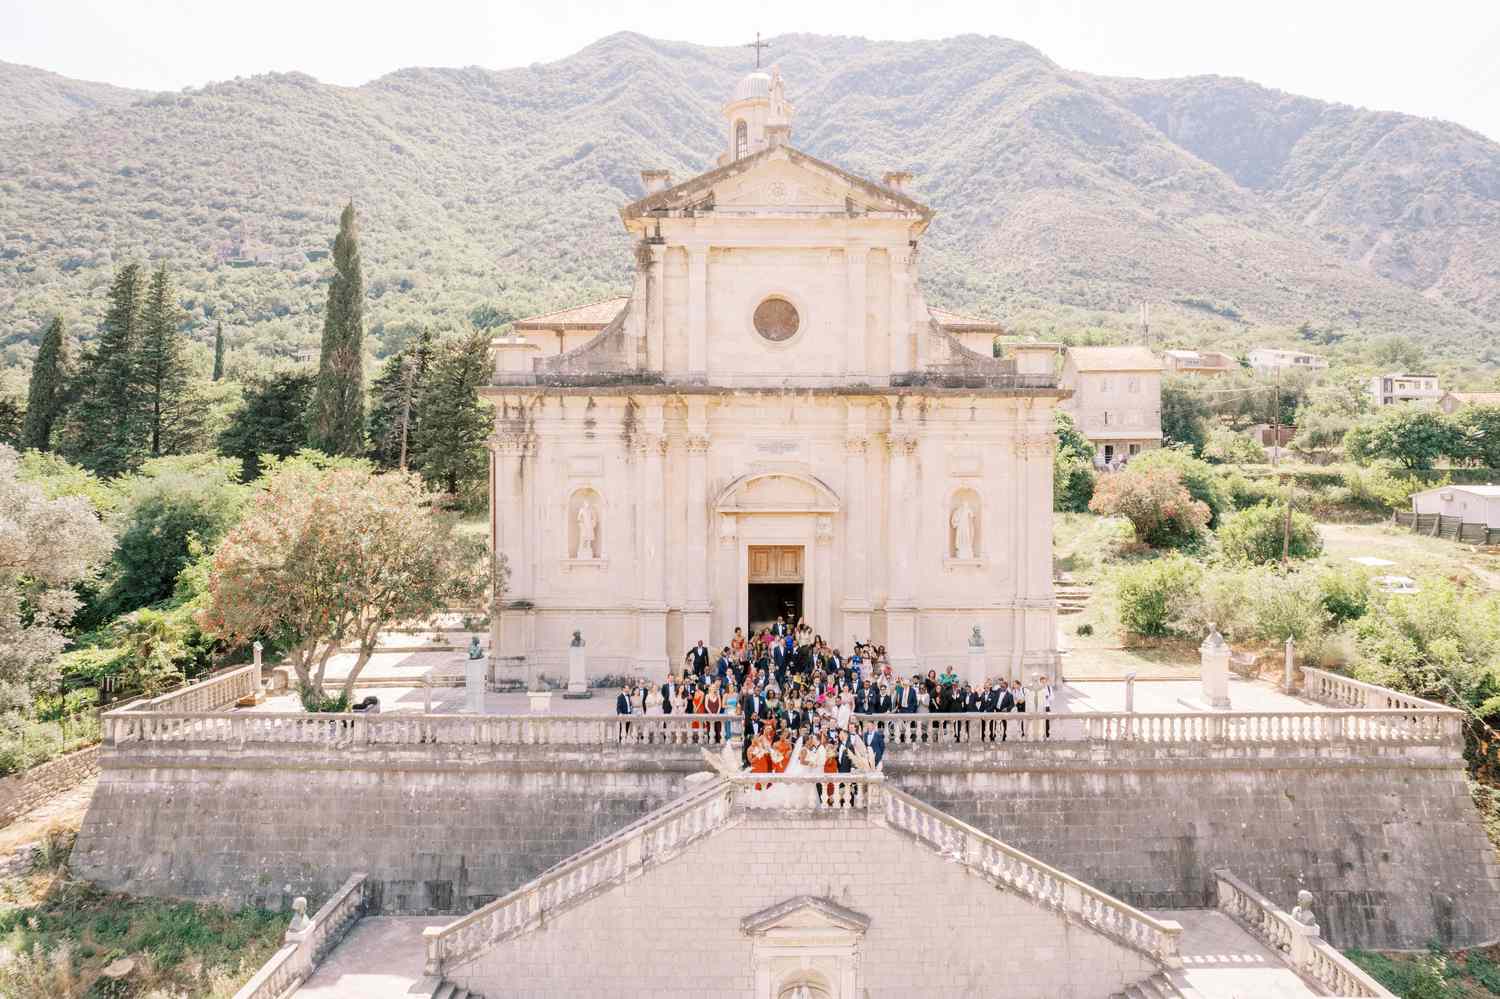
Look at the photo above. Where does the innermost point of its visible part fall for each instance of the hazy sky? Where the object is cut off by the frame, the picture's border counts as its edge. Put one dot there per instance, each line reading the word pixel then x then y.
pixel 1436 57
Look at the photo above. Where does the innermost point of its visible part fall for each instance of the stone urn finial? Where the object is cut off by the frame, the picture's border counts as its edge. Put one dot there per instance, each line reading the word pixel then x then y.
pixel 1214 639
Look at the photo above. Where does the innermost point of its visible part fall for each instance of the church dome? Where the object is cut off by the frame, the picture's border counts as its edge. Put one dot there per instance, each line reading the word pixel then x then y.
pixel 753 85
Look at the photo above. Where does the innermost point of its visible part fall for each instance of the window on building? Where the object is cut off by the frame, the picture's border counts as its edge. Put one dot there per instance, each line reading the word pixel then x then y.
pixel 1104 385
pixel 1133 385
pixel 740 137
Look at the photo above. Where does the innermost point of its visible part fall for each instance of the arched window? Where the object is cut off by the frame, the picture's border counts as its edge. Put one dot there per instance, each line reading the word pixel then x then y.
pixel 740 135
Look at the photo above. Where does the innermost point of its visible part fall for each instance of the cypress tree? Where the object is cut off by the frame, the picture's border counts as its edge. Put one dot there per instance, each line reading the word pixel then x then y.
pixel 337 415
pixel 449 448
pixel 271 420
pixel 12 418
pixel 163 370
pixel 47 393
pixel 218 352
pixel 396 402
pixel 104 427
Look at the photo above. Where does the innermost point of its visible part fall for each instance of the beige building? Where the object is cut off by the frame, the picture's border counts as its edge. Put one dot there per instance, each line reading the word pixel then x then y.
pixel 1397 387
pixel 1116 400
pixel 773 422
pixel 1452 402
pixel 1209 363
pixel 1272 358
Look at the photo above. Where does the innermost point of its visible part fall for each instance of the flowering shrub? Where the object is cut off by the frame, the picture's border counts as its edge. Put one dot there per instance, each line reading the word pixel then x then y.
pixel 1156 503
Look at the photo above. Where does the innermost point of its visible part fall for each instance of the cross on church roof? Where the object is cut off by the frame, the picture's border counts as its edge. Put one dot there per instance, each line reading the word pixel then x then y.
pixel 757 45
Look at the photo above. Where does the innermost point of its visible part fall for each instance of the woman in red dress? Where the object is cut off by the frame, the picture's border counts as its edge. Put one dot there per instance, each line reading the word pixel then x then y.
pixel 760 752
pixel 697 705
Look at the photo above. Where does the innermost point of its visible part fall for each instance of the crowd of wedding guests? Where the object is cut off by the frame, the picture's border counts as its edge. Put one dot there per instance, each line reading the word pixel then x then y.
pixel 786 691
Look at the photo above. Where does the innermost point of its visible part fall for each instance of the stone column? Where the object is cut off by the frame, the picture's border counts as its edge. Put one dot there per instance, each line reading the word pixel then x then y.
pixel 1213 655
pixel 1041 605
pixel 902 353
pixel 696 620
pixel 651 659
pixel 1019 544
pixel 856 602
pixel 856 309
pixel 656 327
pixel 697 311
pixel 901 618
pixel 822 567
pixel 1289 666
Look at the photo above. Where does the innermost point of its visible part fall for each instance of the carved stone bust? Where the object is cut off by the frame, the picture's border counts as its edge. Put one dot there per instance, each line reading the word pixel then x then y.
pixel 1302 912
pixel 577 642
pixel 299 921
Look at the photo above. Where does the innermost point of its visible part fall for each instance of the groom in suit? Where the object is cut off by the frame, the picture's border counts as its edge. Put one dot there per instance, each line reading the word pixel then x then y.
pixel 668 691
pixel 875 743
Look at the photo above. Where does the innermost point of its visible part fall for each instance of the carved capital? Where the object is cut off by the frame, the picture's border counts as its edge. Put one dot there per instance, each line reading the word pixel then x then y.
pixel 856 445
pixel 902 444
pixel 824 529
pixel 728 530
pixel 696 443
pixel 1036 445
pixel 514 442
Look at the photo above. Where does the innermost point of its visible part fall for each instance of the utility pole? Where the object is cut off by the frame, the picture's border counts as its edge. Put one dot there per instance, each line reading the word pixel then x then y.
pixel 1286 530
pixel 1276 427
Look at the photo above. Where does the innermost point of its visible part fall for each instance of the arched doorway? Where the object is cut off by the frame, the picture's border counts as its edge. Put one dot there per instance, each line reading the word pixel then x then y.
pixel 805 985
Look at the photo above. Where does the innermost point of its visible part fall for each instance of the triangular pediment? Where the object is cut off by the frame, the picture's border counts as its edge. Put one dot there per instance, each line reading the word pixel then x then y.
pixel 780 178
pixel 805 912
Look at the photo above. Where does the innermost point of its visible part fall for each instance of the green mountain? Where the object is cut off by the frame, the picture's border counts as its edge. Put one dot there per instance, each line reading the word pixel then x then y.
pixel 1063 198
pixel 33 96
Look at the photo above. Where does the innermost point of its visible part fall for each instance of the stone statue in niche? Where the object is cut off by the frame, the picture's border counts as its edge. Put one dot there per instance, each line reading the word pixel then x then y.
pixel 577 641
pixel 976 638
pixel 588 526
pixel 962 523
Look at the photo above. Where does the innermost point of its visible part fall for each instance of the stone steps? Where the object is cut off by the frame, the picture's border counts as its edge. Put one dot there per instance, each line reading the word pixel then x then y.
pixel 447 990
pixel 1158 986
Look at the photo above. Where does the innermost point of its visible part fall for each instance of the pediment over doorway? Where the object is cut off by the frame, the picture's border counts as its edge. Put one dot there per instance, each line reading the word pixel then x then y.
pixel 777 492
pixel 805 912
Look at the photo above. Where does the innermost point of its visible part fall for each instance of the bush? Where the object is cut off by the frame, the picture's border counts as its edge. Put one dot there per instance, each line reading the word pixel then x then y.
pixel 1072 485
pixel 1155 502
pixel 1199 477
pixel 1225 447
pixel 1344 594
pixel 1381 490
pixel 1439 643
pixel 1152 596
pixel 1257 535
pixel 315 701
pixel 1245 492
pixel 1287 605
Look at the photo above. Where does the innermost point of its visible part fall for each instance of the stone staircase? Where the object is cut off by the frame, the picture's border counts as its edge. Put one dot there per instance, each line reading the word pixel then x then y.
pixel 1158 986
pixel 447 990
pixel 1072 597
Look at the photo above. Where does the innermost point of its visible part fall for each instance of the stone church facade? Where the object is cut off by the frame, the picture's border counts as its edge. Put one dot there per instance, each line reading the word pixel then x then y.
pixel 772 421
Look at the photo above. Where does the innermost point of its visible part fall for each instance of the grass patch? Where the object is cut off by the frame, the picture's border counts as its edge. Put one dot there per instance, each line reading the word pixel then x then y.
pixel 60 936
pixel 1473 974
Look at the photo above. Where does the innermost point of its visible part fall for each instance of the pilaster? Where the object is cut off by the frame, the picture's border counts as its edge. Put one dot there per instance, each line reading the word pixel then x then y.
pixel 697 310
pixel 902 358
pixel 856 260
pixel 651 506
pixel 901 610
pixel 696 608
pixel 856 604
pixel 656 308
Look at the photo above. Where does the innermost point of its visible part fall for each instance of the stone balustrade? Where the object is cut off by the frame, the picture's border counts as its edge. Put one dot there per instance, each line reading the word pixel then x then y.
pixel 626 854
pixel 1030 877
pixel 1346 692
pixel 305 948
pixel 206 695
pixel 905 734
pixel 620 857
pixel 1301 945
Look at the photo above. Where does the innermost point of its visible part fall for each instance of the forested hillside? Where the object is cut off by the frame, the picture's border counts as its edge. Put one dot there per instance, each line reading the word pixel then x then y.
pixel 1063 198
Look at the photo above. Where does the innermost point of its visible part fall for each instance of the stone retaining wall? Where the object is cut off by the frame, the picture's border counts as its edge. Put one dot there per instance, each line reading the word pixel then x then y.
pixel 20 793
pixel 1387 838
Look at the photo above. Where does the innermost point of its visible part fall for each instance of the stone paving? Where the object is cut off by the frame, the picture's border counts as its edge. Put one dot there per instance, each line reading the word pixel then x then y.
pixel 1221 961
pixel 1083 696
pixel 381 957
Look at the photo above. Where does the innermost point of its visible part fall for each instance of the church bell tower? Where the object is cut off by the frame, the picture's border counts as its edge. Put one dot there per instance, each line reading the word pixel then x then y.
pixel 757 116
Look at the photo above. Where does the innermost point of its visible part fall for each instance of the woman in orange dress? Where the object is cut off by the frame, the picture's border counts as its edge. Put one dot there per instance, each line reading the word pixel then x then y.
pixel 697 708
pixel 760 752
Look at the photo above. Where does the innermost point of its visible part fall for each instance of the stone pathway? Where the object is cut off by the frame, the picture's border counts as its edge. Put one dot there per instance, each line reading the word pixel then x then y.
pixel 1222 961
pixel 381 958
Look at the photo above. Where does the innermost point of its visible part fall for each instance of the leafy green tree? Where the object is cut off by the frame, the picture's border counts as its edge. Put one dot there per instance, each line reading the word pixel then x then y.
pixel 1256 535
pixel 48 547
pixel 218 351
pixel 1225 447
pixel 329 557
pixel 1155 501
pixel 337 415
pixel 169 503
pixel 1185 413
pixel 396 402
pixel 171 417
pixel 1199 477
pixel 12 420
pixel 153 646
pixel 1441 643
pixel 455 421
pixel 48 392
pixel 1320 433
pixel 1072 467
pixel 272 420
pixel 1478 433
pixel 104 425
pixel 1411 436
